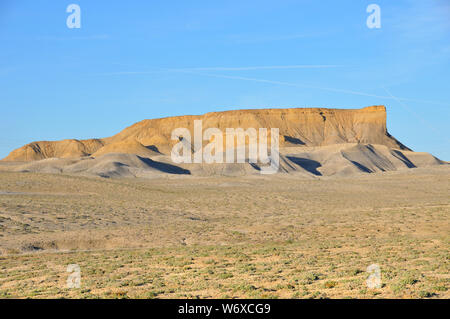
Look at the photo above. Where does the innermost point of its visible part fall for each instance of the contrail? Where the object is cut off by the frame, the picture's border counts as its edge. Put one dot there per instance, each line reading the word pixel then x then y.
pixel 269 67
pixel 192 71
pixel 312 87
pixel 414 113
pixel 243 68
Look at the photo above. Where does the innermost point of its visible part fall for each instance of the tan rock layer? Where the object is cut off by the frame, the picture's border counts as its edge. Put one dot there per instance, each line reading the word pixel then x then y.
pixel 297 127
pixel 62 149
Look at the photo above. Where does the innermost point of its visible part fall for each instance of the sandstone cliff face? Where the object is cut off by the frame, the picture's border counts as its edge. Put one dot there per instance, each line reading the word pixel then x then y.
pixel 297 127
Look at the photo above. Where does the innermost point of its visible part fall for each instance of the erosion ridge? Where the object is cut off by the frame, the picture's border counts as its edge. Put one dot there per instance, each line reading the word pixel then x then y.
pixel 297 127
pixel 314 142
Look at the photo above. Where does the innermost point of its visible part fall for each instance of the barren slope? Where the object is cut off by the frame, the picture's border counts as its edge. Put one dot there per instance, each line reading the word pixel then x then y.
pixel 298 126
pixel 313 143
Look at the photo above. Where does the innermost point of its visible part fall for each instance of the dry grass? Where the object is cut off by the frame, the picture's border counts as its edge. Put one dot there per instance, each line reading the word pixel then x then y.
pixel 277 237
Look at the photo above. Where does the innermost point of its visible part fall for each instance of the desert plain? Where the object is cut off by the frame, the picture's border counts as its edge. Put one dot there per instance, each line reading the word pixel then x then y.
pixel 226 237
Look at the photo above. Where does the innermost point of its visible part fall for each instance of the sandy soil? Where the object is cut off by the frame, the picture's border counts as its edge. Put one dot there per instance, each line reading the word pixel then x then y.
pixel 281 236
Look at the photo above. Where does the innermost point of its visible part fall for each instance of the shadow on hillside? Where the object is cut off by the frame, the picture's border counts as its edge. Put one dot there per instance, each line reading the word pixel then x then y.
pixel 362 168
pixel 403 158
pixel 293 140
pixel 153 148
pixel 164 167
pixel 307 164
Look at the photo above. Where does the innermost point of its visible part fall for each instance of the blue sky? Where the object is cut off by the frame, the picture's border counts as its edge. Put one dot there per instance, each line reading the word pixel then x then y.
pixel 134 60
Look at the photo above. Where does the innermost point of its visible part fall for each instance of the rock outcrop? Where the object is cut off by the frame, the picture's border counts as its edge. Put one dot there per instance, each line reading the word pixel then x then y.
pixel 60 149
pixel 313 143
pixel 297 127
